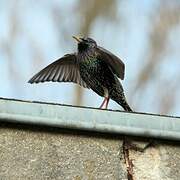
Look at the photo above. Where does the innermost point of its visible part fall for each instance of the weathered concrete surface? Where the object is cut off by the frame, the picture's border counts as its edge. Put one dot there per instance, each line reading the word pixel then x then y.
pixel 39 154
pixel 161 162
pixel 28 152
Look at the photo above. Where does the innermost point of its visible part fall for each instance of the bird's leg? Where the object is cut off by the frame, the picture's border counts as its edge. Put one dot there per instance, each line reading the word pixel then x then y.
pixel 107 102
pixel 105 99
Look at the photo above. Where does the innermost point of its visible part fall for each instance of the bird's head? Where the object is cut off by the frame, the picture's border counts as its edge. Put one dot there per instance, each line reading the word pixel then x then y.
pixel 85 43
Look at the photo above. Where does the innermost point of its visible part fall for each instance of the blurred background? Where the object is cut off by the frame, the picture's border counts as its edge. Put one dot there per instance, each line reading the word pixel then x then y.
pixel 144 34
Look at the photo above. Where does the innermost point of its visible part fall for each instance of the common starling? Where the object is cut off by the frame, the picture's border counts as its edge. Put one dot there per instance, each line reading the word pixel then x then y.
pixel 91 67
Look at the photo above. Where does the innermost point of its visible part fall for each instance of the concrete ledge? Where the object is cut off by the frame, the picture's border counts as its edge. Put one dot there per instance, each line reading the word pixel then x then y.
pixel 39 152
pixel 108 121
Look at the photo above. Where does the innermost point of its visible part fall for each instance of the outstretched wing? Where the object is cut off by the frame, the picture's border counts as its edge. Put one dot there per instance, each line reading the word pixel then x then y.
pixel 64 69
pixel 113 61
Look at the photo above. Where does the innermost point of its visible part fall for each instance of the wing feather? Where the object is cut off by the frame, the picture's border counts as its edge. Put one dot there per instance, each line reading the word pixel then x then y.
pixel 113 61
pixel 64 69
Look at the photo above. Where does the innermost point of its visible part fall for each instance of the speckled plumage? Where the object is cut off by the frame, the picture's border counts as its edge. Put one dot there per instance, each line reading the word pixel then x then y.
pixel 91 67
pixel 98 76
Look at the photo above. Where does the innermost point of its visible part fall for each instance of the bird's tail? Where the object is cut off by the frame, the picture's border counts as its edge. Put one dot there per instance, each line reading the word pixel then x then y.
pixel 127 107
pixel 121 100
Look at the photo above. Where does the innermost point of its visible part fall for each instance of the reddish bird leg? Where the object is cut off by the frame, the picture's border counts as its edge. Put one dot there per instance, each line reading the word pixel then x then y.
pixel 105 101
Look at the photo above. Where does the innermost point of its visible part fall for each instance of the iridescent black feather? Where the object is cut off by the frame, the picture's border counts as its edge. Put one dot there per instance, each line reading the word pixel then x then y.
pixel 91 67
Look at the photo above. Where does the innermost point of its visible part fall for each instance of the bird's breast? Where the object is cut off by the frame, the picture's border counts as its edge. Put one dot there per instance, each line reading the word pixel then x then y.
pixel 89 67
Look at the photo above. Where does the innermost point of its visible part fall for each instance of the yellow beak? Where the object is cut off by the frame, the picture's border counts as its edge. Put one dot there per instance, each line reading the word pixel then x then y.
pixel 78 39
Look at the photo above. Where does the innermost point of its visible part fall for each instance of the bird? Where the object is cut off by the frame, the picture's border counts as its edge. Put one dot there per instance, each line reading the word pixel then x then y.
pixel 92 67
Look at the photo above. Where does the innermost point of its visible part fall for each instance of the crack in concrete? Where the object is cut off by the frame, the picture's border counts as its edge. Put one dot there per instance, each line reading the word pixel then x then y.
pixel 127 145
pixel 128 161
